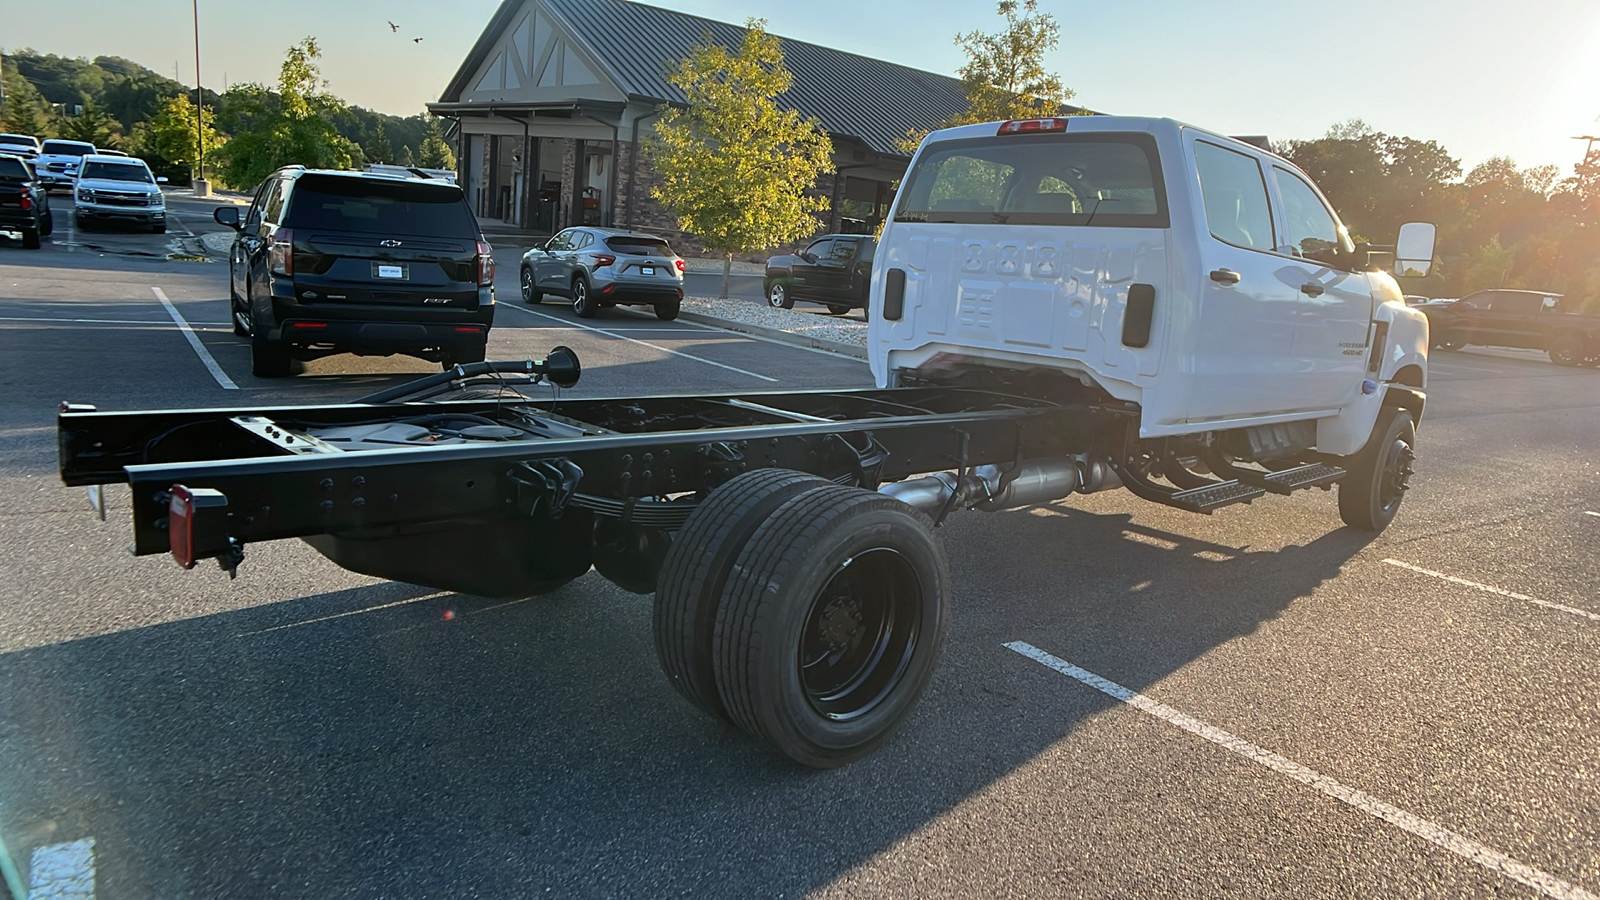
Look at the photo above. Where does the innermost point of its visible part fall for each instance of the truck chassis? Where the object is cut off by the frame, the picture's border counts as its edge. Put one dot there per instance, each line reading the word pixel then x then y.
pixel 801 590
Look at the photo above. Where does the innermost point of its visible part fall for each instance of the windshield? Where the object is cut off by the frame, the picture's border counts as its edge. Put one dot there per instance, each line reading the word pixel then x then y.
pixel 105 171
pixel 1103 179
pixel 67 148
pixel 393 207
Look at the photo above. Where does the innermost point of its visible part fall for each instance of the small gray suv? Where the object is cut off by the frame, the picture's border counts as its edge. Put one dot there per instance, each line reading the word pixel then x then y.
pixel 601 267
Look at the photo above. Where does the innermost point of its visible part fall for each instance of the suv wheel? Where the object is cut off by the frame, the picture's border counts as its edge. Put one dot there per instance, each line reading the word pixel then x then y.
pixel 666 312
pixel 582 303
pixel 1567 352
pixel 778 295
pixel 467 353
pixel 838 309
pixel 268 360
pixel 530 294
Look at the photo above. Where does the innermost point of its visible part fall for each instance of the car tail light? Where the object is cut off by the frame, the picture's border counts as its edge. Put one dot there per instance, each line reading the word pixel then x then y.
pixel 601 260
pixel 27 201
pixel 197 524
pixel 1032 126
pixel 485 263
pixel 679 264
pixel 281 256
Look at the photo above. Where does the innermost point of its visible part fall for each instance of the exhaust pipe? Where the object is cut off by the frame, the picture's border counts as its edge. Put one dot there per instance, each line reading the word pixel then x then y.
pixel 1036 481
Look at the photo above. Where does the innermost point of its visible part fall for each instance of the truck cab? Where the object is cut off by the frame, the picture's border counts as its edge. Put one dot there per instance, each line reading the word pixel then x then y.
pixel 1201 277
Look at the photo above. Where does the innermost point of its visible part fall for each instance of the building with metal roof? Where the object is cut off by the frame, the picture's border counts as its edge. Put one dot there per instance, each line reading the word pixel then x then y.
pixel 555 96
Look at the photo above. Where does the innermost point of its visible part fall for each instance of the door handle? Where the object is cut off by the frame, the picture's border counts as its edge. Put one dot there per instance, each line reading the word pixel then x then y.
pixel 1225 276
pixel 1312 289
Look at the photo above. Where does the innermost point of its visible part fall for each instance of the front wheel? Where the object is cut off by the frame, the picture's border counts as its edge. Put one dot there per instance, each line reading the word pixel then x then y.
pixel 1567 351
pixel 582 303
pixel 831 624
pixel 778 296
pixel 530 293
pixel 1379 475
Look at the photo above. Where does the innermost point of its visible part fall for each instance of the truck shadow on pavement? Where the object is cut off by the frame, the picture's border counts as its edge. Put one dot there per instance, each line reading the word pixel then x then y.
pixel 444 745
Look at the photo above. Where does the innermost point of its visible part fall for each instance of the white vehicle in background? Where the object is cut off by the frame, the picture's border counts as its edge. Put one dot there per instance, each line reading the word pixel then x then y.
pixel 58 161
pixel 1200 279
pixel 23 145
pixel 118 189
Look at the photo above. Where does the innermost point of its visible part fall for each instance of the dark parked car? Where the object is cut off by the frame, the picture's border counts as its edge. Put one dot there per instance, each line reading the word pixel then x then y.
pixel 24 204
pixel 352 262
pixel 600 267
pixel 1536 320
pixel 835 269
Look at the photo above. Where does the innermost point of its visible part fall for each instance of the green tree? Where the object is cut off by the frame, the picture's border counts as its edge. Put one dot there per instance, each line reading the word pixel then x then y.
pixel 290 126
pixel 168 142
pixel 1004 76
pixel 378 148
pixel 25 112
pixel 435 152
pixel 406 158
pixel 735 169
pixel 94 125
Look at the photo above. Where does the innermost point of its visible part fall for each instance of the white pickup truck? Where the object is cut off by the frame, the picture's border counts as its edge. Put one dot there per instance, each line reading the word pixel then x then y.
pixel 1058 306
pixel 1199 277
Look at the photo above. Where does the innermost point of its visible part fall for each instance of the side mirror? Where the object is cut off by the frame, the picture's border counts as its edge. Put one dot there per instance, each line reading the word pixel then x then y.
pixel 1413 250
pixel 161 179
pixel 227 215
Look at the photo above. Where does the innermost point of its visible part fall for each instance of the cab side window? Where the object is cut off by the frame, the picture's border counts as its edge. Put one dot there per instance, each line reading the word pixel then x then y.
pixel 843 251
pixel 274 213
pixel 1313 232
pixel 253 217
pixel 820 249
pixel 1235 195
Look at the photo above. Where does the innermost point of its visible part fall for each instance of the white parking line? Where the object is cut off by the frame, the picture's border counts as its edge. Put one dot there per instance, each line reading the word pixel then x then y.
pixel 62 871
pixel 624 337
pixel 174 217
pixel 110 322
pixel 199 348
pixel 1590 512
pixel 1490 589
pixel 1466 848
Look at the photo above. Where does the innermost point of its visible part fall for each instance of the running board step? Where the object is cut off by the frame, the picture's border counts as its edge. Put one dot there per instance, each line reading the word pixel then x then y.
pixel 1290 480
pixel 1208 497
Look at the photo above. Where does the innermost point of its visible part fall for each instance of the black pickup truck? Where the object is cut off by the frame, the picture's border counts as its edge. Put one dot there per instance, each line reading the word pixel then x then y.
pixel 834 269
pixel 24 205
pixel 1536 320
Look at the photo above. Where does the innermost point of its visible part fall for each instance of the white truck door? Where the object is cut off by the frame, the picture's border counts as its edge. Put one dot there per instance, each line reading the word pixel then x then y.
pixel 1333 303
pixel 1239 355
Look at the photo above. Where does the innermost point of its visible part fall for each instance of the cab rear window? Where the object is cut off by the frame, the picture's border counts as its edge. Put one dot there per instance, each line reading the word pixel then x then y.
pixel 1066 179
pixel 639 246
pixel 12 169
pixel 337 203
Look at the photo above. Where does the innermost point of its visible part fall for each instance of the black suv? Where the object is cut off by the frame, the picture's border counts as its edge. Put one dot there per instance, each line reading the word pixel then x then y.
pixel 24 205
pixel 354 262
pixel 834 269
pixel 1534 320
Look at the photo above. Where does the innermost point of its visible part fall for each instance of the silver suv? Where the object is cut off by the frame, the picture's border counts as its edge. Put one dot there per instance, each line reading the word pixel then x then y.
pixel 601 267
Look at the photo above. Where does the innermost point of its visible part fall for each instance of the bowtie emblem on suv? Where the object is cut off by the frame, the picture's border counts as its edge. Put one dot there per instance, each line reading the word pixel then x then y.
pixel 389 243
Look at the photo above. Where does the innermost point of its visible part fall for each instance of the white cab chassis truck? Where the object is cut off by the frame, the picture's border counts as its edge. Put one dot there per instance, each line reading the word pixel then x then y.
pixel 1058 306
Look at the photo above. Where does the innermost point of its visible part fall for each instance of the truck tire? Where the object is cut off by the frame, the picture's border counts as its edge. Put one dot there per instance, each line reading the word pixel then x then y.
pixel 1567 351
pixel 30 238
pixel 778 296
pixel 268 360
pixel 1378 476
pixel 831 624
pixel 695 572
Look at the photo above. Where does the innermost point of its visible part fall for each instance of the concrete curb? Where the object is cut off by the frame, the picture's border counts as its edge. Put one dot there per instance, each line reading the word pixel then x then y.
pixel 761 331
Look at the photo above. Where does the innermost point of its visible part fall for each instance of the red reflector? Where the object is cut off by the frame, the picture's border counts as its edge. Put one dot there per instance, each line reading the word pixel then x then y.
pixel 308 324
pixel 196 524
pixel 607 289
pixel 469 329
pixel 1032 126
pixel 679 264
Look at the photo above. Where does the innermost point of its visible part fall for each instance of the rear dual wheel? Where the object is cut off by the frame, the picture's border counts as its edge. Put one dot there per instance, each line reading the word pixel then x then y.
pixel 826 606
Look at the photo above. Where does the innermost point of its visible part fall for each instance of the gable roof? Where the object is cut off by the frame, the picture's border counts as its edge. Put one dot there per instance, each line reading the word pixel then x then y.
pixel 855 96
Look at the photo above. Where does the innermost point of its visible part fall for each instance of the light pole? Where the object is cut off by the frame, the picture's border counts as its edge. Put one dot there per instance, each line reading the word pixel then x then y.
pixel 202 187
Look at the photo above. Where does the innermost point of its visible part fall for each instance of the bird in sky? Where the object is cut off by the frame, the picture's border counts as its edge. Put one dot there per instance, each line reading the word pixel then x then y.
pixel 393 27
pixel 416 40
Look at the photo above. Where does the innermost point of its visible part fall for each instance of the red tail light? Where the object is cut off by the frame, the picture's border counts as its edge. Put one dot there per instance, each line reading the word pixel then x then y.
pixel 280 257
pixel 485 263
pixel 1032 126
pixel 27 201
pixel 601 260
pixel 679 264
pixel 196 524
pixel 308 324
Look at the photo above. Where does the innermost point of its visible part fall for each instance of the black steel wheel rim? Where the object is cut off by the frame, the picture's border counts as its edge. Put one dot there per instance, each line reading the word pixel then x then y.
pixel 1397 472
pixel 860 634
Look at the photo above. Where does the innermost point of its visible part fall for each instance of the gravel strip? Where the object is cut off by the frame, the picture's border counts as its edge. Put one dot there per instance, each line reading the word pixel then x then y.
pixel 700 265
pixel 815 326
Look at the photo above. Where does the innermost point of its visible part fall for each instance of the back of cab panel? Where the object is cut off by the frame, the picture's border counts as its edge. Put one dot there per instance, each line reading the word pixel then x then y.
pixel 1033 249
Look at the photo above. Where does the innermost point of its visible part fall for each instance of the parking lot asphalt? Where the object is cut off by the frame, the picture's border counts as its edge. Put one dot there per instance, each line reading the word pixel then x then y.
pixel 1132 701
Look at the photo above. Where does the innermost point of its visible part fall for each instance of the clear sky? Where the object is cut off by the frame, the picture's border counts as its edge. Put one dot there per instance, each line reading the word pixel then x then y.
pixel 1482 77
